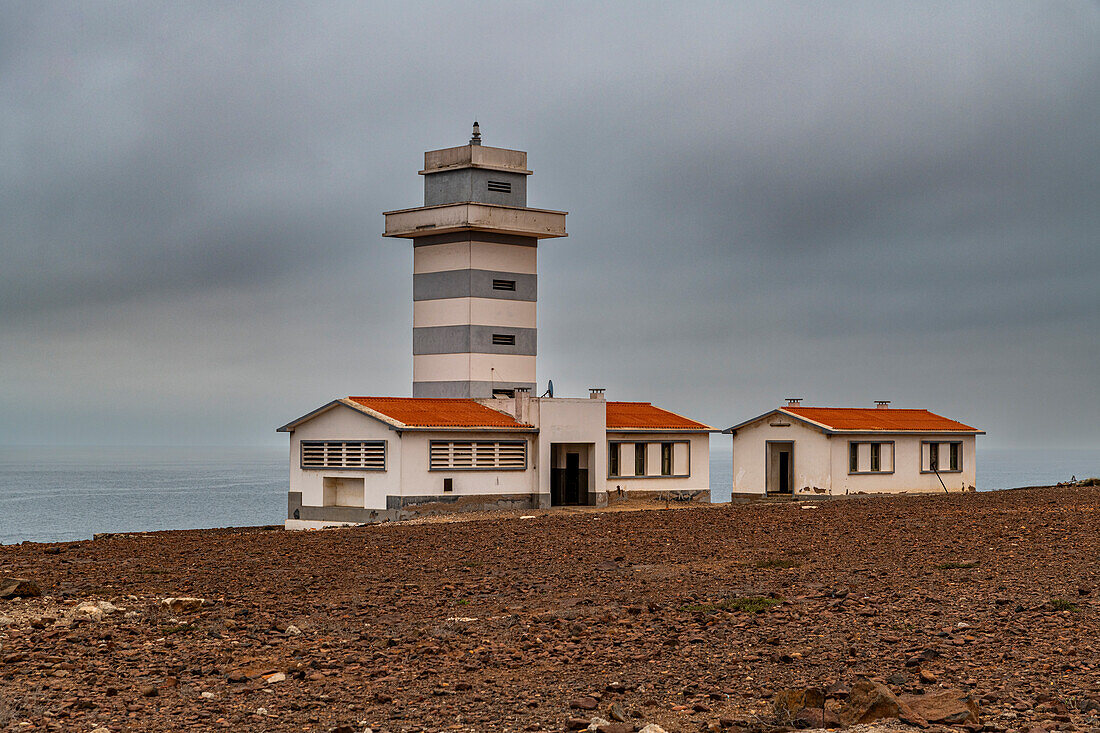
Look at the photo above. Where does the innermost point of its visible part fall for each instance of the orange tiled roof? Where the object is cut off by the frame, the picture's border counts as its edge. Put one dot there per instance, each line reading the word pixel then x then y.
pixel 873 418
pixel 644 416
pixel 432 412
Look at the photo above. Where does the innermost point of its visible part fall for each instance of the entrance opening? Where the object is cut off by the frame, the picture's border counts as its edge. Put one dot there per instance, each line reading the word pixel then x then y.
pixel 569 474
pixel 339 491
pixel 780 468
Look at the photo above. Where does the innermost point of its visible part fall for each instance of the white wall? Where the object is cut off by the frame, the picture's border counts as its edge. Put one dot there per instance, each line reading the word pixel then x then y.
pixel 572 420
pixel 907 476
pixel 475 256
pixel 418 480
pixel 693 458
pixel 811 460
pixel 477 311
pixel 475 367
pixel 344 423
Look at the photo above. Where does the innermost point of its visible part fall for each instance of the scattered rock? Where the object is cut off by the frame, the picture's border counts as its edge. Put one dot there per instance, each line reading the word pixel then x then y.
pixel 19 588
pixel 927 676
pixel 148 691
pixel 272 679
pixel 615 728
pixel 183 604
pixel 107 607
pixel 652 728
pixel 292 630
pixel 576 723
pixel 815 718
pixel 950 707
pixel 207 695
pixel 786 704
pixel 88 612
pixel 584 703
pixel 870 701
pixel 618 714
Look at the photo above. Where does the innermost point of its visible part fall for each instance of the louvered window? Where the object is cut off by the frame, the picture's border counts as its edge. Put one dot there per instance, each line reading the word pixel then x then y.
pixel 504 339
pixel 500 186
pixel 464 455
pixel 358 455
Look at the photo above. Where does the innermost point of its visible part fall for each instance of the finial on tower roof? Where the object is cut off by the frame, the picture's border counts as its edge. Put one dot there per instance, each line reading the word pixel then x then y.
pixel 476 139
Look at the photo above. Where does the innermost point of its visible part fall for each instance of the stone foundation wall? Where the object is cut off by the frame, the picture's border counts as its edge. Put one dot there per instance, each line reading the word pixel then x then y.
pixel 409 507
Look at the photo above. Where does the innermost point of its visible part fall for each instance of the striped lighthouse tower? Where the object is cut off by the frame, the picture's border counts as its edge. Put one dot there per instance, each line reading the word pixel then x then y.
pixel 475 280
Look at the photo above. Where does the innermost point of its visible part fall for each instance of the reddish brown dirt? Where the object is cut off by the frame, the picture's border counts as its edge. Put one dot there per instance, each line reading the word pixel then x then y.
pixel 497 624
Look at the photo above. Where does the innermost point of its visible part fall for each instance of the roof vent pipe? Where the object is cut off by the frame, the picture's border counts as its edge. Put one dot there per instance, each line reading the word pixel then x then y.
pixel 794 401
pixel 882 404
pixel 596 393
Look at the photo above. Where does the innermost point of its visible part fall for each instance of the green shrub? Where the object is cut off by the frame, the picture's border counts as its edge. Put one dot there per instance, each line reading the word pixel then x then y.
pixel 778 562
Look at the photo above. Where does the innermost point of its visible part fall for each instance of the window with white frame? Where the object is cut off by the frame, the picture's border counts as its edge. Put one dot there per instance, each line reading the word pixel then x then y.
pixel 870 457
pixel 358 455
pixel 452 455
pixel 941 456
pixel 631 459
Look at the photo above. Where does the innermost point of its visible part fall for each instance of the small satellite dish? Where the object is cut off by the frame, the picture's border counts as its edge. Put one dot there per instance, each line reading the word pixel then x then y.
pixel 549 388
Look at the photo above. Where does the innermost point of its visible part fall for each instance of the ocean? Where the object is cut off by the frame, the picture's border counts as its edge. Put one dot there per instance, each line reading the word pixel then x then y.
pixel 61 494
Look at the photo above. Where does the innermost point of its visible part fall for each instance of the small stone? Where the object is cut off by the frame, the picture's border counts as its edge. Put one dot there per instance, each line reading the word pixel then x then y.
pixel 576 723
pixel 107 607
pixel 261 711
pixel 88 612
pixel 207 695
pixel 148 691
pixel 617 713
pixel 652 728
pixel 583 703
pixel 275 678
pixel 183 604
pixel 615 728
pixel 927 676
pixel 292 630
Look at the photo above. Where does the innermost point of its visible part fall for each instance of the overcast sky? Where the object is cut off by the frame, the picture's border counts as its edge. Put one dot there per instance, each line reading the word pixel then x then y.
pixel 838 201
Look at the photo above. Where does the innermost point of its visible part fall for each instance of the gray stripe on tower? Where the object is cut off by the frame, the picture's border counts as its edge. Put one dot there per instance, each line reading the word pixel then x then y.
pixel 474 284
pixel 474 340
pixel 489 237
pixel 474 390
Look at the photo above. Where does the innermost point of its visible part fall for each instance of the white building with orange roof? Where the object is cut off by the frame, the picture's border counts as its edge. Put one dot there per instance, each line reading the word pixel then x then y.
pixel 473 436
pixel 372 459
pixel 797 451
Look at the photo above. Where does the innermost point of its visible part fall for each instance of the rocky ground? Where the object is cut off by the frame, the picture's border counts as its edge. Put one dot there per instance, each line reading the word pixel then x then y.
pixel 687 619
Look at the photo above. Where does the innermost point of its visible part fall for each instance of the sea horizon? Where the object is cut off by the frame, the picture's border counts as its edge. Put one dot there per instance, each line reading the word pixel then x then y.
pixel 67 493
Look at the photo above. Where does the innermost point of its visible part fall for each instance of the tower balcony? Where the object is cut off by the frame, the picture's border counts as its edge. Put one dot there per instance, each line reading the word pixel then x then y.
pixel 446 218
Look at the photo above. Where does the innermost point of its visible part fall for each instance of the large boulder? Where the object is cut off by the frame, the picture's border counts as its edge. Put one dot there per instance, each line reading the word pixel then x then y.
pixel 19 588
pixel 950 707
pixel 870 701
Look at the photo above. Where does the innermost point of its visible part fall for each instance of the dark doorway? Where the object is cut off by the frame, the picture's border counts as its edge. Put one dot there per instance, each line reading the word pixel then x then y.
pixel 569 474
pixel 572 489
pixel 779 469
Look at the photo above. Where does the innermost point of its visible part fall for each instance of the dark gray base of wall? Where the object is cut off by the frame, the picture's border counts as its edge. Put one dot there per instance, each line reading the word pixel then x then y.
pixel 746 497
pixel 701 496
pixel 410 507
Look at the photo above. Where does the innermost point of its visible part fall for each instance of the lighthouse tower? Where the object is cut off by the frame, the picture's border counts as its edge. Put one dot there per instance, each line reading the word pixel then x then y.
pixel 475 283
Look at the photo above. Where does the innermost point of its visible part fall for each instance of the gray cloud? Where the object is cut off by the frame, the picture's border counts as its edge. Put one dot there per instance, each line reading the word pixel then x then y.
pixel 849 201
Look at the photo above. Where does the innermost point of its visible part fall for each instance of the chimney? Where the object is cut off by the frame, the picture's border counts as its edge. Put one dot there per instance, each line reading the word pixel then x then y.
pixel 523 399
pixel 794 401
pixel 882 404
pixel 596 393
